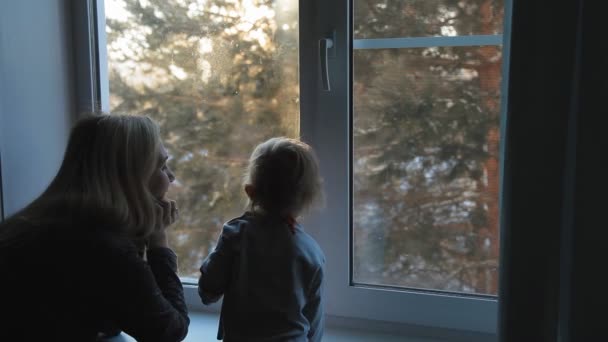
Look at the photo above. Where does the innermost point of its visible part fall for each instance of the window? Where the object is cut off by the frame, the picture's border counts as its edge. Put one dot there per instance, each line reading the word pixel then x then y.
pixel 390 72
pixel 220 77
pixel 426 115
pixel 407 135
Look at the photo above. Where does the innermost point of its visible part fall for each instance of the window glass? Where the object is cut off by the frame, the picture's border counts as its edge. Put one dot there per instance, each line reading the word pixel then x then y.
pixel 220 77
pixel 426 151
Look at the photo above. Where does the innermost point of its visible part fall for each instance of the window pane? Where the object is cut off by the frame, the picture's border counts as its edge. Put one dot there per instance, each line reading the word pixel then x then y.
pixel 422 18
pixel 219 77
pixel 426 133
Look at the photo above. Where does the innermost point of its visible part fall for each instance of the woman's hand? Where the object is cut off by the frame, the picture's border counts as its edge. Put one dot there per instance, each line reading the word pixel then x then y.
pixel 167 213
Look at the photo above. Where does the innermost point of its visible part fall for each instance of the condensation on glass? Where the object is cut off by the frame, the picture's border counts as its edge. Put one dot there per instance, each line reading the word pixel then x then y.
pixel 219 77
pixel 426 149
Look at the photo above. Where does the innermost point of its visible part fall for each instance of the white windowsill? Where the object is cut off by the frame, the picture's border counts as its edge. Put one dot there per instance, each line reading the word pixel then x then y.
pixel 203 327
pixel 204 322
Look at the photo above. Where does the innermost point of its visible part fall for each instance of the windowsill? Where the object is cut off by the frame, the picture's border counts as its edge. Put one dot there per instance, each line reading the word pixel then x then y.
pixel 203 327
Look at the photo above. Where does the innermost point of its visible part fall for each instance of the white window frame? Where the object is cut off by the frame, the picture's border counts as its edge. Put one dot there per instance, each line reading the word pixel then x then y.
pixel 327 123
pixel 325 119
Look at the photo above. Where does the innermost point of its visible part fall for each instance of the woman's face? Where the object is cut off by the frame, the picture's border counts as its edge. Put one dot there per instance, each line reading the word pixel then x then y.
pixel 162 176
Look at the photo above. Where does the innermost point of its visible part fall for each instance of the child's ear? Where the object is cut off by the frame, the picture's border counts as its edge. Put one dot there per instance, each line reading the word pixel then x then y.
pixel 249 190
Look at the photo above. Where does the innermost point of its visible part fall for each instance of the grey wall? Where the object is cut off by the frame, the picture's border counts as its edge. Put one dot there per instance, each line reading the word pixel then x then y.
pixel 36 95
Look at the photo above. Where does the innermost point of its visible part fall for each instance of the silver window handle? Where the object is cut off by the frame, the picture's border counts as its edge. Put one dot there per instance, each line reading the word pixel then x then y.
pixel 324 45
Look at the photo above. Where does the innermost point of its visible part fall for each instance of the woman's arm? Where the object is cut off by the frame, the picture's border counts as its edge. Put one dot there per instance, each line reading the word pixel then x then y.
pixel 150 304
pixel 146 299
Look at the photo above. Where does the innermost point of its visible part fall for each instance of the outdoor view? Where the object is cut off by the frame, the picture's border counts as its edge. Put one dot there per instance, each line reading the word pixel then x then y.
pixel 426 133
pixel 221 76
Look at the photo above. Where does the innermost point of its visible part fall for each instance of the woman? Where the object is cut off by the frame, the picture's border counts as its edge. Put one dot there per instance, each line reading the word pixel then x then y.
pixel 71 262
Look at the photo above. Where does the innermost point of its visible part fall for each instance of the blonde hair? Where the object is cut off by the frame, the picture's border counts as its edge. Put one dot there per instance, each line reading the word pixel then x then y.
pixel 104 176
pixel 285 177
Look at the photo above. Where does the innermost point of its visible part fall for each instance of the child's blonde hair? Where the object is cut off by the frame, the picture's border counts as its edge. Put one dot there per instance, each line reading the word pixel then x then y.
pixel 285 177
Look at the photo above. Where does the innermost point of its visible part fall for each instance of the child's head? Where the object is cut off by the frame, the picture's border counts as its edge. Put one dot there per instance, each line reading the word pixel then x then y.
pixel 283 177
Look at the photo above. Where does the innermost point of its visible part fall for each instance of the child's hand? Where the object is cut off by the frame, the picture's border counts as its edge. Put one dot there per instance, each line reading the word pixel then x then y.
pixel 167 213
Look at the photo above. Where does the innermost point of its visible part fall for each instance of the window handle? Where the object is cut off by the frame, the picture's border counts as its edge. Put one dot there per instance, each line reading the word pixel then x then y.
pixel 325 45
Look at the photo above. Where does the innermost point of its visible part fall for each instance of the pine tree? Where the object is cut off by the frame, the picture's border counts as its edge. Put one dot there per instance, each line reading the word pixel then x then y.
pixel 221 77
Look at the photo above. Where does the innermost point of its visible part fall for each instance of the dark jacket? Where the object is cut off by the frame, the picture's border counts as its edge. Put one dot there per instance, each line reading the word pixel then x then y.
pixel 67 283
pixel 271 280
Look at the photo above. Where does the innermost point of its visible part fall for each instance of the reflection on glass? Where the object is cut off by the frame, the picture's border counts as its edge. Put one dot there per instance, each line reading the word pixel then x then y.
pixel 422 18
pixel 219 77
pixel 426 132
